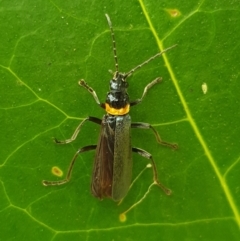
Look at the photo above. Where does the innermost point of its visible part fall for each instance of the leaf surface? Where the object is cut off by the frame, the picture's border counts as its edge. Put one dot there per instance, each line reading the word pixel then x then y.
pixel 47 46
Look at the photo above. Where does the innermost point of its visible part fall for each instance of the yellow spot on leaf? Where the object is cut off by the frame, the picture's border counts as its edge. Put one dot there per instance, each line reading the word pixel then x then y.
pixel 204 88
pixel 173 12
pixel 57 171
pixel 122 217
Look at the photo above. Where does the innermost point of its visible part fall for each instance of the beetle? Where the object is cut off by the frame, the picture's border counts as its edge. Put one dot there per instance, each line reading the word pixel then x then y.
pixel 112 170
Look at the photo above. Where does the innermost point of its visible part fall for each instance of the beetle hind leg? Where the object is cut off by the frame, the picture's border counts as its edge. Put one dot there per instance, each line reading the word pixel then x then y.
pixel 69 173
pixel 147 155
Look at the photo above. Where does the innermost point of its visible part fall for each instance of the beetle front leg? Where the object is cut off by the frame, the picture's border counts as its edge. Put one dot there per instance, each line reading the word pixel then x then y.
pixel 150 85
pixel 91 91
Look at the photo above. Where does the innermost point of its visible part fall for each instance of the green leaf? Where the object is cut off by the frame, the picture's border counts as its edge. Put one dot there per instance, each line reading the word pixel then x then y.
pixel 47 46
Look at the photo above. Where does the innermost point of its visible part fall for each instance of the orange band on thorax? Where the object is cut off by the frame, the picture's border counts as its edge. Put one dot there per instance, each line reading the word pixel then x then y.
pixel 113 111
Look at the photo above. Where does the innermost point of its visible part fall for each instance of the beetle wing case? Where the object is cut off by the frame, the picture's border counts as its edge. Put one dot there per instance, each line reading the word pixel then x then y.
pixel 122 175
pixel 112 171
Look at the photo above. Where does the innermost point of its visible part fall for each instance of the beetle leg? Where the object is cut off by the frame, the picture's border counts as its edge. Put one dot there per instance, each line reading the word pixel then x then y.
pixel 147 155
pixel 150 85
pixel 75 134
pixel 141 125
pixel 89 89
pixel 68 177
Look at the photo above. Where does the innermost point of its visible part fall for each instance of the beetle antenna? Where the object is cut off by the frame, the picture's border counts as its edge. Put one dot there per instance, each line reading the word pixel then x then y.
pixel 147 61
pixel 113 42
